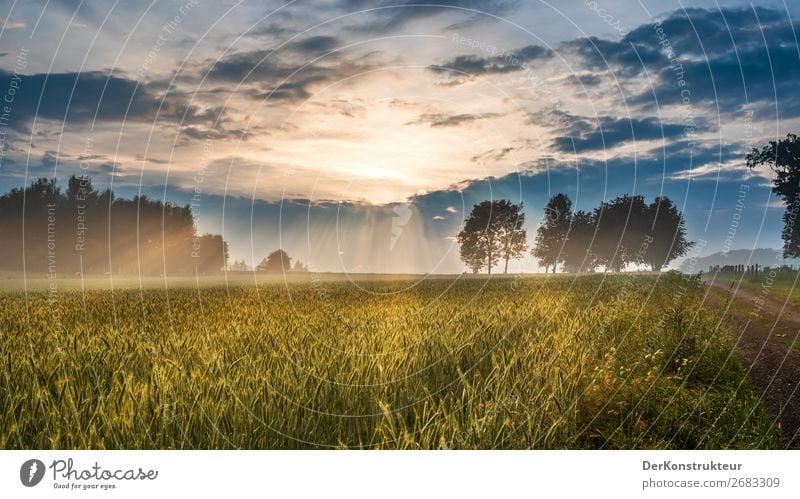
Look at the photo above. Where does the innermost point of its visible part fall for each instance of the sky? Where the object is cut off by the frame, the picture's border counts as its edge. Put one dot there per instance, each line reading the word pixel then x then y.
pixel 357 134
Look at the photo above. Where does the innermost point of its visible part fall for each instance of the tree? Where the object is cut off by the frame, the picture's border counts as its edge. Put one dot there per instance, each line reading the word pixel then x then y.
pixel 210 254
pixel 493 230
pixel 783 158
pixel 666 239
pixel 552 232
pixel 480 237
pixel 511 229
pixel 239 266
pixel 94 232
pixel 473 253
pixel 277 261
pixel 620 231
pixel 577 256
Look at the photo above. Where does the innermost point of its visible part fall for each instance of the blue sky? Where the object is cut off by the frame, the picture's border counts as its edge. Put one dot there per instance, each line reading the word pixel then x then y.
pixel 358 134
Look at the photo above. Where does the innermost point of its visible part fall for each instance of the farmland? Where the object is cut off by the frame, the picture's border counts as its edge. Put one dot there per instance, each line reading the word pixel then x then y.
pixel 614 361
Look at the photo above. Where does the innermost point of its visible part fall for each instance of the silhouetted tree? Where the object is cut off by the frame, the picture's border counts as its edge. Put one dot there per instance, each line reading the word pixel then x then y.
pixel 210 254
pixel 275 262
pixel 665 237
pixel 493 230
pixel 552 232
pixel 239 266
pixel 577 256
pixel 783 158
pixel 620 231
pixel 511 229
pixel 473 253
pixel 91 231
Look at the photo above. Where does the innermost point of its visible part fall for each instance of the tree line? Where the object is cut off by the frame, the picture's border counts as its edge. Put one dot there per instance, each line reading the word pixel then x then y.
pixel 86 230
pixel 617 233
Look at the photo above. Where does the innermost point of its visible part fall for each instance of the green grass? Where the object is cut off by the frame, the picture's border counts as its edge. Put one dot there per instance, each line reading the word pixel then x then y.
pixel 778 286
pixel 535 362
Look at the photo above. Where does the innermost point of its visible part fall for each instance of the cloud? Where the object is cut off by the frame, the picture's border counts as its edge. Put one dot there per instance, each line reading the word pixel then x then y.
pixel 471 65
pixel 625 58
pixel 390 15
pixel 587 79
pixel 441 120
pixel 493 155
pixel 316 45
pixel 8 23
pixel 215 133
pixel 606 132
pixel 267 75
pixel 731 82
pixel 708 162
pixel 88 96
pixel 685 33
pixel 716 58
pixel 714 32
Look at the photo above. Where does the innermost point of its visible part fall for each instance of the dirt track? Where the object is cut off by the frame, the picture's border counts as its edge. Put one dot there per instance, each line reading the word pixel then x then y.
pixel 767 334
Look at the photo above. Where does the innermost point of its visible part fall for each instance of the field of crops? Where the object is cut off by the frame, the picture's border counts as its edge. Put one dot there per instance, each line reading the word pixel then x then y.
pixel 535 362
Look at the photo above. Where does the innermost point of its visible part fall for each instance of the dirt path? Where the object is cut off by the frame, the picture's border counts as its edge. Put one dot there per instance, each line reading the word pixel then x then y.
pixel 767 334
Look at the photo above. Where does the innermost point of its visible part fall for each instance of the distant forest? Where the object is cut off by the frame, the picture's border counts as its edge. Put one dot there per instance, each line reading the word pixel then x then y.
pixel 94 232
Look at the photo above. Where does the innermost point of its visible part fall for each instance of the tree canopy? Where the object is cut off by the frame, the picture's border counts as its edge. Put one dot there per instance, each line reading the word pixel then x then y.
pixel 276 262
pixel 85 230
pixel 494 231
pixel 552 233
pixel 783 158
pixel 620 232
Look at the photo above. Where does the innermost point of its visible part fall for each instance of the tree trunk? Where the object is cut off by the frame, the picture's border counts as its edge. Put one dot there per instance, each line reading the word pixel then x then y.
pixel 554 267
pixel 505 270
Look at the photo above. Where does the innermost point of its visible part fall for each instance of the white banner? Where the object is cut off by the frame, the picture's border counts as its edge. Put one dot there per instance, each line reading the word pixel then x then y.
pixel 400 474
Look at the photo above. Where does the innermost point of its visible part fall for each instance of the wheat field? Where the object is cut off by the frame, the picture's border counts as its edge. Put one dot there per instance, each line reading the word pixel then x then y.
pixel 614 361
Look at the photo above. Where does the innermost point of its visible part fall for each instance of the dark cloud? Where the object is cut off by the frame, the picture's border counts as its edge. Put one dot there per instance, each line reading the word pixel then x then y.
pixel 720 59
pixel 606 132
pixel 687 34
pixel 624 58
pixel 588 79
pixel 714 32
pixel 390 15
pixel 255 64
pixel 471 65
pixel 265 75
pixel 730 82
pixel 316 45
pixel 441 120
pixel 76 97
pixel 215 133
pixel 89 96
pixel 493 155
